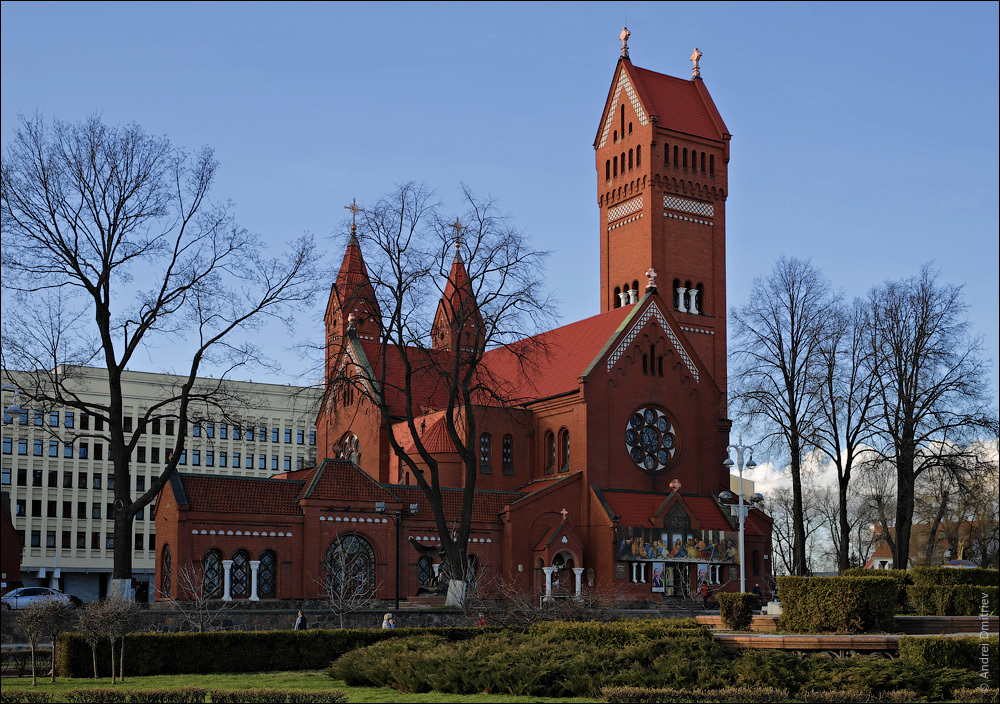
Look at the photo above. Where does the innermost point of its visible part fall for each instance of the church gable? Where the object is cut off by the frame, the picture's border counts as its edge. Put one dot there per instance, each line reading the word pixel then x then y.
pixel 624 90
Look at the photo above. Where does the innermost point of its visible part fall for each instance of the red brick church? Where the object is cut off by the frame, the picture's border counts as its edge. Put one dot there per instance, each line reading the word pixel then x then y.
pixel 607 474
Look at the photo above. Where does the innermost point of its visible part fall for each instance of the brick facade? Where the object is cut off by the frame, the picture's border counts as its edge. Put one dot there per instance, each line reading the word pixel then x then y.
pixel 623 406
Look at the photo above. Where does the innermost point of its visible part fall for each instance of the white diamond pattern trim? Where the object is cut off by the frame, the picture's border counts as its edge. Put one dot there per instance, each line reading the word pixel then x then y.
pixel 689 206
pixel 649 313
pixel 626 84
pixel 626 208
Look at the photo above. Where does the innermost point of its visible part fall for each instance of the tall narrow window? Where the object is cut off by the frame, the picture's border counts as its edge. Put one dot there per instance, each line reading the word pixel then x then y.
pixel 666 154
pixel 703 162
pixel 550 451
pixel 675 155
pixel 630 157
pixel 564 450
pixel 508 454
pixel 618 296
pixel 350 567
pixel 629 128
pixel 165 572
pixel 638 156
pixel 711 164
pixel 607 170
pixel 623 120
pixel 685 157
pixel 486 453
pixel 616 166
pixel 267 575
pixel 239 575
pixel 212 580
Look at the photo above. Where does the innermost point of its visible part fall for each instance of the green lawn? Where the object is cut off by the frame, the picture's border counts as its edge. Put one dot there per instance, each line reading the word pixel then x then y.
pixel 275 680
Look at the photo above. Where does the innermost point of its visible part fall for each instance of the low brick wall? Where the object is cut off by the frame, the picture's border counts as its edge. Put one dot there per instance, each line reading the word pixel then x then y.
pixel 907 625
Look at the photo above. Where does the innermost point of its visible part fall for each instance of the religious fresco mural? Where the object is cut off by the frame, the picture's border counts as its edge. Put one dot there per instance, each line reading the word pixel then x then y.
pixel 639 544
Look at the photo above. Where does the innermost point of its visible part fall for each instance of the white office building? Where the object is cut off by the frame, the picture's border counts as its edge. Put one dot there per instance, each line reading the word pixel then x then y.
pixel 60 478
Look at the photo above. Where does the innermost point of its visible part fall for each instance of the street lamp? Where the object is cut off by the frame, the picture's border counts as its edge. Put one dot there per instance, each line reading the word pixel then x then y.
pixel 742 508
pixel 13 409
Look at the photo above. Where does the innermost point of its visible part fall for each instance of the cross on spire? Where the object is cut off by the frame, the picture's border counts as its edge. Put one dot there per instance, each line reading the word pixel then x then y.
pixel 353 207
pixel 623 38
pixel 459 229
pixel 695 56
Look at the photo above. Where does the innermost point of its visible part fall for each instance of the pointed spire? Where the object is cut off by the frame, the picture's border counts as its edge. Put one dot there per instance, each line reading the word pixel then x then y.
pixel 458 323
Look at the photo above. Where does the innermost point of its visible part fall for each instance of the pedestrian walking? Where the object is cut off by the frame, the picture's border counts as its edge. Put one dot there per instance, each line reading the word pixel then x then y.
pixel 300 622
pixel 704 595
pixel 388 621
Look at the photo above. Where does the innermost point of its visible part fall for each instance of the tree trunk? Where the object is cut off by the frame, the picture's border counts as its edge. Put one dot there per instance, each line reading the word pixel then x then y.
pixel 932 533
pixel 93 653
pixel 112 660
pixel 798 517
pixel 904 513
pixel 34 678
pixel 844 555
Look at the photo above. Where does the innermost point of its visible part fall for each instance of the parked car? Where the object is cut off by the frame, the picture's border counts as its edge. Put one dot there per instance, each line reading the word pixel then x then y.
pixel 25 596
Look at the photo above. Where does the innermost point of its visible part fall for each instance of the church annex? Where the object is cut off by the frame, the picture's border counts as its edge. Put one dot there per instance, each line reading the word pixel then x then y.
pixel 607 474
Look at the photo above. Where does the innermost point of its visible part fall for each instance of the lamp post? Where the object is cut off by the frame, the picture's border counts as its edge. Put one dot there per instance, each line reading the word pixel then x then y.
pixel 743 508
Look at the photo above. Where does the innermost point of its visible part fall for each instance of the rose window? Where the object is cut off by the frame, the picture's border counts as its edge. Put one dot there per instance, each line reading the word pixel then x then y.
pixel 650 439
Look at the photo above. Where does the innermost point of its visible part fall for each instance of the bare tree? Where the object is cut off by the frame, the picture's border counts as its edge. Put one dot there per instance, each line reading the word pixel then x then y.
pixel 111 247
pixel 349 584
pixel 44 620
pixel 447 295
pixel 91 616
pixel 780 505
pixel 931 389
pixel 778 365
pixel 846 397
pixel 198 600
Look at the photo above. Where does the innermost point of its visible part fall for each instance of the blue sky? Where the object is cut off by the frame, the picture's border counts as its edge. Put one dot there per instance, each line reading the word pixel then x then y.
pixel 865 134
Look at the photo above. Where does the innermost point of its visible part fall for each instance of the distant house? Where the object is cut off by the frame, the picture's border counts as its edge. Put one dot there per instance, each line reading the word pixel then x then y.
pixel 953 540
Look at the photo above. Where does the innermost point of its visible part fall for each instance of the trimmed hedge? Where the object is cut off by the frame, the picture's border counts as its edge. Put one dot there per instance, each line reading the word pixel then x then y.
pixel 737 610
pixel 903 579
pixel 837 604
pixel 117 695
pixel 619 634
pixel 23 696
pixel 231 651
pixel 277 696
pixel 944 651
pixel 952 600
pixel 644 695
pixel 928 576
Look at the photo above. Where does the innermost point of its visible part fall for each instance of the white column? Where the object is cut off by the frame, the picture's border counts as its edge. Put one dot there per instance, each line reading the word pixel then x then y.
pixel 633 295
pixel 642 572
pixel 548 581
pixel 681 299
pixel 578 571
pixel 437 568
pixel 623 298
pixel 693 297
pixel 227 566
pixel 254 565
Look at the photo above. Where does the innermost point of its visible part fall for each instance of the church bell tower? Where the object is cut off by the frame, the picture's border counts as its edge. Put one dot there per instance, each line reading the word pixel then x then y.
pixel 662 156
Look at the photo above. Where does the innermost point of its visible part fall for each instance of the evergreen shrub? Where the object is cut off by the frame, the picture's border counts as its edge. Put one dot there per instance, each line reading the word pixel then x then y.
pixel 642 695
pixel 171 695
pixel 737 610
pixel 618 634
pixel 837 604
pixel 953 599
pixel 23 696
pixel 928 576
pixel 903 579
pixel 277 696
pixel 975 695
pixel 230 651
pixel 944 651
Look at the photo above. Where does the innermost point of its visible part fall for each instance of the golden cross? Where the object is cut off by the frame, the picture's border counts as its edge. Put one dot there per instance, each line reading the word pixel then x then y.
pixel 353 207
pixel 459 229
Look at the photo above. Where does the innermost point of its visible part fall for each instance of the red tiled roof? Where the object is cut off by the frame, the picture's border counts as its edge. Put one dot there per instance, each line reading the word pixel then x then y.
pixel 430 389
pixel 341 480
pixel 552 362
pixel 758 523
pixel 639 509
pixel 223 494
pixel 434 436
pixel 486 505
pixel 680 105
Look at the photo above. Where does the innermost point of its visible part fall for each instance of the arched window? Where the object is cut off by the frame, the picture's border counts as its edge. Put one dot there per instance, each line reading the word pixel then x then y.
pixel 638 156
pixel 267 575
pixel 486 453
pixel 666 154
pixel 351 447
pixel 239 575
pixel 703 162
pixel 623 163
pixel 677 294
pixel 616 135
pixel 508 454
pixel 425 571
pixel 165 574
pixel 630 156
pixel 675 156
pixel 685 157
pixel 623 121
pixel 616 166
pixel 564 450
pixel 350 567
pixel 711 164
pixel 618 297
pixel 212 580
pixel 701 299
pixel 607 170
pixel 550 451
pixel 629 128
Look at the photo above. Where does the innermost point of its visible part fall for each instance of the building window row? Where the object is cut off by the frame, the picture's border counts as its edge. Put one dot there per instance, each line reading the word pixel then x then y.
pixel 617 165
pixel 689 161
pixel 557 453
pixel 506 454
pixel 626 294
pixel 98 540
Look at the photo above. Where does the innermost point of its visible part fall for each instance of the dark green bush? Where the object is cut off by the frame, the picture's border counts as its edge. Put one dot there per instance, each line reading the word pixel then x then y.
pixel 100 695
pixel 837 604
pixel 642 695
pixel 231 651
pixel 23 696
pixel 880 676
pixel 276 696
pixel 943 651
pixel 838 696
pixel 775 668
pixel 617 634
pixel 737 610
pixel 172 695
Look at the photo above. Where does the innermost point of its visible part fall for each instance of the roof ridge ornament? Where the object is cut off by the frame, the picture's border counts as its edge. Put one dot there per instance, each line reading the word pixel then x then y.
pixel 623 38
pixel 353 207
pixel 696 70
pixel 459 229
